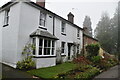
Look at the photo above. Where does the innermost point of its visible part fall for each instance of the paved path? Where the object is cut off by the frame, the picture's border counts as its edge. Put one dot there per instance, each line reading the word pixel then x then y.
pixel 112 73
pixel 9 72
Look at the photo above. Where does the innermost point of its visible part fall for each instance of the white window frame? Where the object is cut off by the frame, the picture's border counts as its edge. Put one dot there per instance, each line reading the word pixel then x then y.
pixel 78 33
pixel 63 27
pixel 43 47
pixel 63 48
pixel 42 19
pixel 78 49
pixel 6 18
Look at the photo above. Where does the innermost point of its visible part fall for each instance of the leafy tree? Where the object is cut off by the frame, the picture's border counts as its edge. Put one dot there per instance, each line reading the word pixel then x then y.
pixel 106 31
pixel 87 24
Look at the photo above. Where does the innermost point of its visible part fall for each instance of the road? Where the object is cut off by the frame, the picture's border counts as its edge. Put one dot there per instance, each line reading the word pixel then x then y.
pixel 111 74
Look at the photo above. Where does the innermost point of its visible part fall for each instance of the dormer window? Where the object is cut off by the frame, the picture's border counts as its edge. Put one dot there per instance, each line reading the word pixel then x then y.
pixel 6 18
pixel 63 27
pixel 42 19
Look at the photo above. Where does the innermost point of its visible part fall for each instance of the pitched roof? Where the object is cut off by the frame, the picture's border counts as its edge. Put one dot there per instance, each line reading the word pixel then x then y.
pixel 42 33
pixel 84 34
pixel 32 3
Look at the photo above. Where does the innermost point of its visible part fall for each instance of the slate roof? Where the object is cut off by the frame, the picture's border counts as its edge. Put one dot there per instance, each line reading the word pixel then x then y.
pixel 41 33
pixel 30 2
pixel 84 34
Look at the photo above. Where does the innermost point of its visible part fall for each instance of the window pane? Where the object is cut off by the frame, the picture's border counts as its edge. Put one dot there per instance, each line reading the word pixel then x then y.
pixel 45 50
pixel 45 43
pixel 40 51
pixel 34 43
pixel 48 51
pixel 40 42
pixel 53 43
pixel 63 46
pixel 49 42
pixel 52 51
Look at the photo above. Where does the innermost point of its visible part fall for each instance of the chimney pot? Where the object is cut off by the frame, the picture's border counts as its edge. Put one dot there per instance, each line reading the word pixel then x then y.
pixel 70 17
pixel 41 3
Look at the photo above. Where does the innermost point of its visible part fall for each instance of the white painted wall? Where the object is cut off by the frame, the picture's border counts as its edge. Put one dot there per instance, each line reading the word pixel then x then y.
pixel 1 25
pixel 10 36
pixel 45 62
pixel 24 20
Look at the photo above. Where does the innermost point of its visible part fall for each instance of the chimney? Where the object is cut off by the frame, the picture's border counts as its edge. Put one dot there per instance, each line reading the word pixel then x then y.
pixel 70 17
pixel 41 3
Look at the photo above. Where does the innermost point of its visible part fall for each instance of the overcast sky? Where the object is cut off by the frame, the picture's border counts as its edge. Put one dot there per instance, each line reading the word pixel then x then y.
pixel 80 8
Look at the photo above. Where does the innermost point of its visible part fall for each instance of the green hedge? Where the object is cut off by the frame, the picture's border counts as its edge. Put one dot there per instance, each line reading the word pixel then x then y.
pixel 92 50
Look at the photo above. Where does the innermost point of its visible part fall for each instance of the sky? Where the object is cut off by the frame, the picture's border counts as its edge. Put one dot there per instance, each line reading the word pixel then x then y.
pixel 80 8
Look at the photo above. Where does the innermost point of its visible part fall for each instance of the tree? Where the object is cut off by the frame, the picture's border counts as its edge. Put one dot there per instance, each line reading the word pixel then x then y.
pixel 106 31
pixel 87 24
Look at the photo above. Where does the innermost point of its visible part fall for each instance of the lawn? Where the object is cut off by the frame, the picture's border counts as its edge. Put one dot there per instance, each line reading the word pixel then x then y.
pixel 52 72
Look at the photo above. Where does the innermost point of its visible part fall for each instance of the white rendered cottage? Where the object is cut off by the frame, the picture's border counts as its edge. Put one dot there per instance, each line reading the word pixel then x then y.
pixel 23 22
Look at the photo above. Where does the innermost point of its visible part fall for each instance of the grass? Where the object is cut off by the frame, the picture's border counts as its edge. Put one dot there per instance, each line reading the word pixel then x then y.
pixel 52 72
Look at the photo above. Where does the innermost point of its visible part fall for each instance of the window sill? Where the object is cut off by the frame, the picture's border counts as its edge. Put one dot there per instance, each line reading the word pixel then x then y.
pixel 63 54
pixel 5 25
pixel 43 27
pixel 63 34
pixel 44 56
pixel 78 38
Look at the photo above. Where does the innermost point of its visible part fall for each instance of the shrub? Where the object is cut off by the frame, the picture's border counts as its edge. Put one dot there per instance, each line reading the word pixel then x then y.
pixel 26 64
pixel 92 50
pixel 104 64
pixel 88 74
pixel 81 60
pixel 96 59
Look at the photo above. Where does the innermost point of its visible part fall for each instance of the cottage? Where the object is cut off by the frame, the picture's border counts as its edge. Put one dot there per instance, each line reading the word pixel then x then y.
pixel 29 22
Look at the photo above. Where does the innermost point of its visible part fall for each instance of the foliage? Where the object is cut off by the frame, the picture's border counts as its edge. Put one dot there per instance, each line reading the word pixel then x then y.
pixel 96 59
pixel 88 74
pixel 52 72
pixel 81 60
pixel 106 31
pixel 92 49
pixel 87 23
pixel 27 62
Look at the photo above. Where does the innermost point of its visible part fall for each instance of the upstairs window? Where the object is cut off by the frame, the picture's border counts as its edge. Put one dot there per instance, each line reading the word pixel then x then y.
pixel 78 33
pixel 42 19
pixel 6 18
pixel 63 27
pixel 63 47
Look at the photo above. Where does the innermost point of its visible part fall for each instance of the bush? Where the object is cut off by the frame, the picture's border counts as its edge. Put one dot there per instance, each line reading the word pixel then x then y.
pixel 92 50
pixel 81 60
pixel 26 64
pixel 88 74
pixel 96 59
pixel 104 64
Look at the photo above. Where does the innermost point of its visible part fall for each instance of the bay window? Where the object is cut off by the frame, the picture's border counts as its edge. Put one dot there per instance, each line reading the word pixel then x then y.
pixel 46 47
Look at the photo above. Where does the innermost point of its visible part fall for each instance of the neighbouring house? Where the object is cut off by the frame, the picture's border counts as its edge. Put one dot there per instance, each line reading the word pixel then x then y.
pixel 87 39
pixel 28 22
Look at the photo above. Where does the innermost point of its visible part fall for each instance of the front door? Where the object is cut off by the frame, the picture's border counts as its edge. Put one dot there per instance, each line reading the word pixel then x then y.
pixel 69 50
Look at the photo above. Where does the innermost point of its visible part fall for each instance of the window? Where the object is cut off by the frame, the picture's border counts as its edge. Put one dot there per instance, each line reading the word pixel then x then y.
pixel 77 48
pixel 78 33
pixel 42 19
pixel 63 27
pixel 6 19
pixel 63 47
pixel 34 43
pixel 46 46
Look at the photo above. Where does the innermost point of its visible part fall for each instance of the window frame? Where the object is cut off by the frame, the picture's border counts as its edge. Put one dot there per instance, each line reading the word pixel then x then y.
pixel 63 47
pixel 78 34
pixel 43 47
pixel 6 17
pixel 63 27
pixel 42 20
